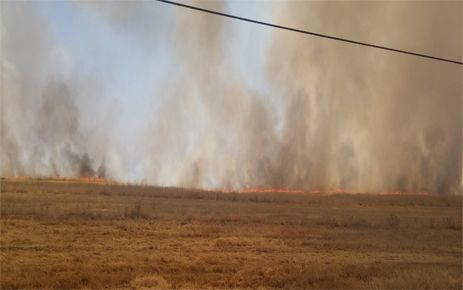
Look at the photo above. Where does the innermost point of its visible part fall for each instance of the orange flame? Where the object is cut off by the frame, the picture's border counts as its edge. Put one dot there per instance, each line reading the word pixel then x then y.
pixel 103 180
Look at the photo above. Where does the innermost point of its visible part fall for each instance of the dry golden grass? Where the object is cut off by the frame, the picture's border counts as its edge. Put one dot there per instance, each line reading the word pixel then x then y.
pixel 79 235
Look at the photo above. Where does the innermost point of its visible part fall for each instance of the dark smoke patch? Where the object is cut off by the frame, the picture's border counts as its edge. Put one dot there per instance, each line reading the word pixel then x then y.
pixel 86 167
pixel 101 172
pixel 57 118
pixel 83 166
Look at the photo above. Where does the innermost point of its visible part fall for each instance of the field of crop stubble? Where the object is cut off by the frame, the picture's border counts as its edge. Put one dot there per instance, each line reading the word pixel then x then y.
pixel 75 234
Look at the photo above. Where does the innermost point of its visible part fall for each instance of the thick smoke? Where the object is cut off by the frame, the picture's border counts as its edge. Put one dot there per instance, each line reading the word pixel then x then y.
pixel 364 119
pixel 40 130
pixel 230 111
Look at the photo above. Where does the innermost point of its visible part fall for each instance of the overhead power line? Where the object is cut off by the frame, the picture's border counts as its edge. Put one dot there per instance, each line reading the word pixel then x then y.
pixel 311 33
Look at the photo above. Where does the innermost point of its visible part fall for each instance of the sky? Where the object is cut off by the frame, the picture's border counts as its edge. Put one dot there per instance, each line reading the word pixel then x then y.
pixel 158 94
pixel 134 68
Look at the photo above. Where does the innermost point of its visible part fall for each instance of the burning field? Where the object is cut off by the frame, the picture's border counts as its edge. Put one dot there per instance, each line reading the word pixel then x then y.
pixel 83 233
pixel 143 144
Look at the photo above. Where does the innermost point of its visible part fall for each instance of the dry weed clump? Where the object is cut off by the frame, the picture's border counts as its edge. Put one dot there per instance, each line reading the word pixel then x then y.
pixel 150 282
pixel 135 212
pixel 450 223
pixel 393 221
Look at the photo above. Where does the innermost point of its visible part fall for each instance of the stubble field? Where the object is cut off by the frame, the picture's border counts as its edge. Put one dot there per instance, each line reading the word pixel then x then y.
pixel 75 234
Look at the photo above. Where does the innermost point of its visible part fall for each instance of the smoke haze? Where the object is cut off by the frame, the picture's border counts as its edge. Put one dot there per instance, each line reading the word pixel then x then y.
pixel 147 92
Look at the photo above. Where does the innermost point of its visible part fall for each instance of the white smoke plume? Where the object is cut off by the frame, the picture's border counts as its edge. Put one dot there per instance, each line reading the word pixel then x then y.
pixel 218 103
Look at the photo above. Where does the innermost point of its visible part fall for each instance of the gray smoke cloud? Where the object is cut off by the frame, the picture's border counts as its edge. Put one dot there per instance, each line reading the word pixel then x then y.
pixel 285 110
pixel 42 102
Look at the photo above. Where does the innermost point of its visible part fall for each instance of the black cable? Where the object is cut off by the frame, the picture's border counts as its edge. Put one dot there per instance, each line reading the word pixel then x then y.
pixel 311 33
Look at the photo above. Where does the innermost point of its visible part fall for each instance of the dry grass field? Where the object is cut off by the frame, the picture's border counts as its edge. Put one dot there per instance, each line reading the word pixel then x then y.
pixel 70 234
